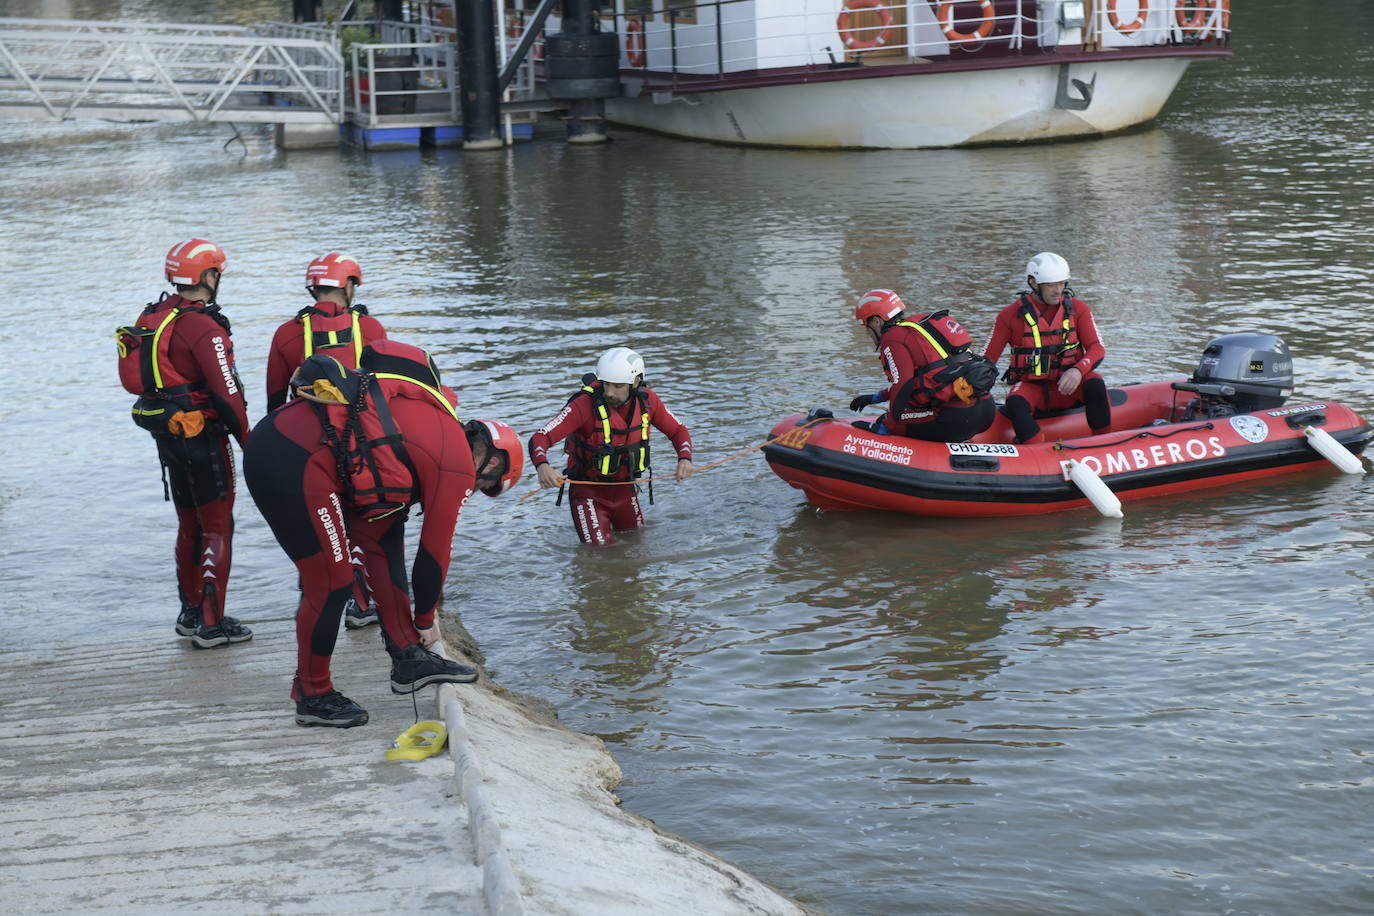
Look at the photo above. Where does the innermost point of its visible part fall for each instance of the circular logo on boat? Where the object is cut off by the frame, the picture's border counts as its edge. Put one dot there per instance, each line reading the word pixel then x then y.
pixel 1251 429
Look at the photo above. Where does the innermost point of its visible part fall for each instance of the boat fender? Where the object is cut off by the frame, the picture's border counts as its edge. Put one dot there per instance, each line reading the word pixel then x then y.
pixel 1332 450
pixel 1098 493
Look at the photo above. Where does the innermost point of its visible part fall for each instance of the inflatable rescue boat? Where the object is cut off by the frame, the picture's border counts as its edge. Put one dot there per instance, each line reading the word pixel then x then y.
pixel 1228 422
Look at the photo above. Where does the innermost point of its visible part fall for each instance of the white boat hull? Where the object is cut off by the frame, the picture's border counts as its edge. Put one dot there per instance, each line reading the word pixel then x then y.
pixel 914 110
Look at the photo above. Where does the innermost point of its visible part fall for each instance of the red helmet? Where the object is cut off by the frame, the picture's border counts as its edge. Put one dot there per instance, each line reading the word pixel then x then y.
pixel 333 269
pixel 505 441
pixel 188 261
pixel 883 303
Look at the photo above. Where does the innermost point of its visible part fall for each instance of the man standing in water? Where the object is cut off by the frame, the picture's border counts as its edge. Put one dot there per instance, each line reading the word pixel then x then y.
pixel 607 424
pixel 340 327
pixel 178 358
pixel 1055 351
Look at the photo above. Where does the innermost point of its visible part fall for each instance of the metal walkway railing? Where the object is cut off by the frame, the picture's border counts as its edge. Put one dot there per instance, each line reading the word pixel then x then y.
pixel 60 69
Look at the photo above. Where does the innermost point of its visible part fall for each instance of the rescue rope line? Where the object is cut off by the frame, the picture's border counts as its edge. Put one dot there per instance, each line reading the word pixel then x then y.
pixel 704 467
pixel 1061 446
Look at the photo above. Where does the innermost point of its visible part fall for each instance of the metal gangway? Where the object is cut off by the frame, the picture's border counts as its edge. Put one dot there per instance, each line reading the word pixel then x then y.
pixel 137 71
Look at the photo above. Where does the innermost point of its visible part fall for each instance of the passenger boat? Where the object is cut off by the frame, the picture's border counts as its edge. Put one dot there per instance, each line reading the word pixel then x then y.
pixel 905 74
pixel 1226 423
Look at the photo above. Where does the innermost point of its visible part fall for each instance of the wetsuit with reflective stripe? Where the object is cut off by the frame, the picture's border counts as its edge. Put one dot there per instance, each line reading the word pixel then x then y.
pixel 599 511
pixel 289 347
pixel 294 481
pixel 200 470
pixel 905 352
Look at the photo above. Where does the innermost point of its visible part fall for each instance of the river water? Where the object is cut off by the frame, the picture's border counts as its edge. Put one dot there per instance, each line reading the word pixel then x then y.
pixel 877 714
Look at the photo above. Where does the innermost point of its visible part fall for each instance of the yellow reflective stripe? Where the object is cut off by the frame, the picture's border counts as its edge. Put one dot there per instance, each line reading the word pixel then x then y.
pixel 606 438
pixel 157 343
pixel 1035 367
pixel 643 435
pixel 309 337
pixel 358 349
pixel 434 392
pixel 926 334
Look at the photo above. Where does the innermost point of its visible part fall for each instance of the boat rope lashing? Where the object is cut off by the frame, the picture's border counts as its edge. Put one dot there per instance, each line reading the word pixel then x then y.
pixel 1146 434
pixel 1126 28
pixel 846 30
pixel 634 43
pixel 988 22
pixel 705 467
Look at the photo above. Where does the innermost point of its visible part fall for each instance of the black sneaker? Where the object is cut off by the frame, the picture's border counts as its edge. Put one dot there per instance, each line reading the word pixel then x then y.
pixel 230 631
pixel 415 667
pixel 333 710
pixel 355 618
pixel 188 621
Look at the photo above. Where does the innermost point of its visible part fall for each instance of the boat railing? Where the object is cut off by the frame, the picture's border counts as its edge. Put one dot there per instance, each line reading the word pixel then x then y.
pixel 713 38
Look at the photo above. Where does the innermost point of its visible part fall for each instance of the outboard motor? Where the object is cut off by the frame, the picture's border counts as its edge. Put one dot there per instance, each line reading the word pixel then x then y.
pixel 1239 373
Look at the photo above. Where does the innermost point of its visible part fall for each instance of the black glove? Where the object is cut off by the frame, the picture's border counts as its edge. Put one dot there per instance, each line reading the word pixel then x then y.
pixel 862 401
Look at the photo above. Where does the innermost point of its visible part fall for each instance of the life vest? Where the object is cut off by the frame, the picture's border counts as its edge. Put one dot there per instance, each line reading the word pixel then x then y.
pixel 372 466
pixel 146 368
pixel 611 447
pixel 338 335
pixel 410 373
pixel 1044 353
pixel 955 377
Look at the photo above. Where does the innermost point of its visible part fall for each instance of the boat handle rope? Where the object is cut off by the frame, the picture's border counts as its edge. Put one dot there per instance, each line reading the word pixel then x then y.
pixel 1144 434
pixel 705 467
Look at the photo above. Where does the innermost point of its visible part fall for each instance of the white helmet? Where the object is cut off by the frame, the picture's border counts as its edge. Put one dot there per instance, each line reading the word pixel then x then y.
pixel 620 366
pixel 1047 267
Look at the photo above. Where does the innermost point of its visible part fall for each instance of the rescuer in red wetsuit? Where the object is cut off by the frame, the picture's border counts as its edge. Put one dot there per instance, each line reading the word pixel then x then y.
pixel 938 391
pixel 607 426
pixel 334 324
pixel 296 475
pixel 1055 349
pixel 179 359
pixel 338 326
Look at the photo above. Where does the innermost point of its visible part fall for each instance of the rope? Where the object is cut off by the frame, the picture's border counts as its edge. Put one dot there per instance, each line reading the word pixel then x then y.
pixel 704 467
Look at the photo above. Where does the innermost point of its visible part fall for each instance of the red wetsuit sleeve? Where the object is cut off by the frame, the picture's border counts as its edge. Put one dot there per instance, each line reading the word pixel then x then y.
pixel 1002 330
pixel 574 416
pixel 282 361
pixel 897 365
pixel 209 346
pixel 1088 338
pixel 439 452
pixel 663 420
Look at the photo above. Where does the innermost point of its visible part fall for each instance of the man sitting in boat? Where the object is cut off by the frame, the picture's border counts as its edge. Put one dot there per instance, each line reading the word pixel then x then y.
pixel 939 392
pixel 1054 352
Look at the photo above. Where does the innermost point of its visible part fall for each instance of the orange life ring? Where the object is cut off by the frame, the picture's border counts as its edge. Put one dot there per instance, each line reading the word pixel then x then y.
pixel 1126 28
pixel 946 19
pixel 1225 21
pixel 634 42
pixel 1202 11
pixel 847 33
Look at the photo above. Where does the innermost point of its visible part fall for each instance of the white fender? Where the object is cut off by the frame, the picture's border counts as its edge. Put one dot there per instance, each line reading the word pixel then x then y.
pixel 1098 493
pixel 1332 450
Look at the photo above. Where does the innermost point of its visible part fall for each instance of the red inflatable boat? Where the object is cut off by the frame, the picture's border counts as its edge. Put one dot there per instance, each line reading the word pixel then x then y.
pixel 1166 437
